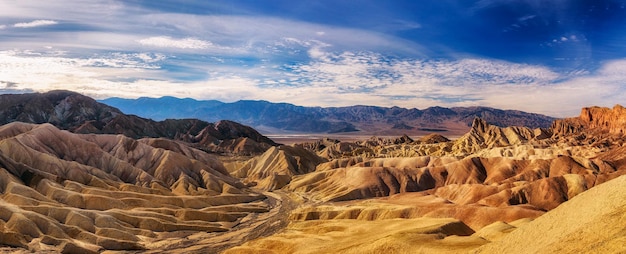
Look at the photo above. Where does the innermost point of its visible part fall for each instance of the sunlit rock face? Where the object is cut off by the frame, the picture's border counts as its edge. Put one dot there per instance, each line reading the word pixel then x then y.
pixel 612 120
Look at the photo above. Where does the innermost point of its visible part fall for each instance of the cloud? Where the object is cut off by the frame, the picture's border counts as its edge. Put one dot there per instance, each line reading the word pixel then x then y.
pixel 41 72
pixel 36 23
pixel 130 27
pixel 232 57
pixel 336 79
pixel 3 27
pixel 8 84
pixel 168 42
pixel 368 78
pixel 525 18
pixel 367 70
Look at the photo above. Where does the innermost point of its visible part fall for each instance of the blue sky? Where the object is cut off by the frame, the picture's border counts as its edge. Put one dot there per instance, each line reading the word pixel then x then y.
pixel 550 57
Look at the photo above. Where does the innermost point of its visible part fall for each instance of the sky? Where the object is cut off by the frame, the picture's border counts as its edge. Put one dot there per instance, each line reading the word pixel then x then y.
pixel 544 56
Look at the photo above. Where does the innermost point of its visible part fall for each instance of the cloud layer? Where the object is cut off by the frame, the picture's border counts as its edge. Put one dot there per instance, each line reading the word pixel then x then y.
pixel 132 50
pixel 329 80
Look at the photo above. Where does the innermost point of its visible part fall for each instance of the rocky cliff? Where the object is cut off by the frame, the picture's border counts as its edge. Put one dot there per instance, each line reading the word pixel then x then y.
pixel 598 119
pixel 611 120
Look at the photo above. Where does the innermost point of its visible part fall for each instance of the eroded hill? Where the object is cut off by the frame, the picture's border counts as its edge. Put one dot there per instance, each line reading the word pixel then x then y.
pixel 414 196
pixel 82 193
pixel 74 188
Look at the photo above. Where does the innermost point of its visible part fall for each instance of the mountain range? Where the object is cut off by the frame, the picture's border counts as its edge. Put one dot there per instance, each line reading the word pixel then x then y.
pixel 277 118
pixel 81 114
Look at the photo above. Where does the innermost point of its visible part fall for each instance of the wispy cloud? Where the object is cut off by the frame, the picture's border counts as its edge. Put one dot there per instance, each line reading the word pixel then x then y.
pixel 36 23
pixel 169 42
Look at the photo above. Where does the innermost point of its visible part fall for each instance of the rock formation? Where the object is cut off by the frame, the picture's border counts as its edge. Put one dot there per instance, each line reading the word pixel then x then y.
pixel 85 178
pixel 277 166
pixel 493 180
pixel 84 193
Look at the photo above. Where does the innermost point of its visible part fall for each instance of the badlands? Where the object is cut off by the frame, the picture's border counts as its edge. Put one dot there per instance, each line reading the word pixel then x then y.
pixel 192 187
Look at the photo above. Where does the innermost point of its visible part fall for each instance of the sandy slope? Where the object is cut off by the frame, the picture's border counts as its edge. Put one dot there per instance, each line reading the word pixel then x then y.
pixel 423 235
pixel 592 222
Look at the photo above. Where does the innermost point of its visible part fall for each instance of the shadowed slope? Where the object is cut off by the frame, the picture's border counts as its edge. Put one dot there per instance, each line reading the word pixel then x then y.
pixel 544 184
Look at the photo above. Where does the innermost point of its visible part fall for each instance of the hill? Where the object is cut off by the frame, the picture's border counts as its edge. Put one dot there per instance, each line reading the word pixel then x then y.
pixel 81 114
pixel 78 176
pixel 493 190
pixel 278 118
pixel 62 192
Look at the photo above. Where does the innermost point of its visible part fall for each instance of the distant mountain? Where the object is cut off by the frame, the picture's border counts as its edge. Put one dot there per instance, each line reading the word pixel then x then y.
pixel 284 118
pixel 164 107
pixel 81 114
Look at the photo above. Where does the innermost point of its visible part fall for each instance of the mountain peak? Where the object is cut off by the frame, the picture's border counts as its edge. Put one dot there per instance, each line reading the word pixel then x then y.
pixel 479 124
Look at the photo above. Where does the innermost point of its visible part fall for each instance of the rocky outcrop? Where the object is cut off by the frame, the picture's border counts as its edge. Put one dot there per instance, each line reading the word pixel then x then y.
pixel 433 138
pixel 611 120
pixel 318 145
pixel 595 119
pixel 277 166
pixel 483 135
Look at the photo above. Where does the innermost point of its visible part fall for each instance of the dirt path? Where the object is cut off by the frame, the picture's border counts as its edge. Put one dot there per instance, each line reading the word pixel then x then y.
pixel 260 224
pixel 253 226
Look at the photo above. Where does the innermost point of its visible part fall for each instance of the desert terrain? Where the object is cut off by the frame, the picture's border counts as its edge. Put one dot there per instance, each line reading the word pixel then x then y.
pixel 81 177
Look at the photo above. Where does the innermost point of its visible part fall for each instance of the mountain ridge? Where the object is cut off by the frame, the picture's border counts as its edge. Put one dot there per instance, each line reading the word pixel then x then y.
pixel 272 117
pixel 81 114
